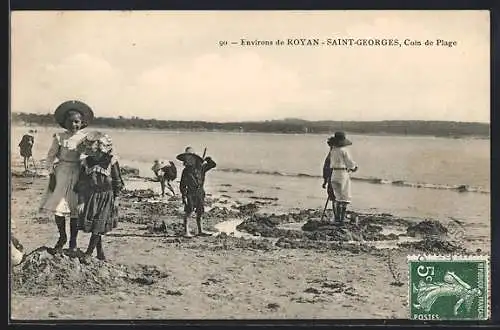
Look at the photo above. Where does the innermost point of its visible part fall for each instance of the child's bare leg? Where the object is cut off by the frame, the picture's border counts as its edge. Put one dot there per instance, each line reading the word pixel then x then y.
pixel 171 188
pixel 25 163
pixel 186 225
pixel 63 238
pixel 201 232
pixel 162 183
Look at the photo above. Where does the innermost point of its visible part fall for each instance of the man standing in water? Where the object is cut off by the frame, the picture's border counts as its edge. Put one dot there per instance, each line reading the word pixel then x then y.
pixel 191 187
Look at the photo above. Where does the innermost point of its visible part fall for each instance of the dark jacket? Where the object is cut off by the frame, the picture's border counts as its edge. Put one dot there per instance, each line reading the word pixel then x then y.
pixel 327 177
pixel 99 176
pixel 27 141
pixel 327 170
pixel 193 177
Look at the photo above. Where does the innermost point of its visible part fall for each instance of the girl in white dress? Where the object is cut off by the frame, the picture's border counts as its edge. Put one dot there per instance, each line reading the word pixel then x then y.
pixel 342 164
pixel 63 162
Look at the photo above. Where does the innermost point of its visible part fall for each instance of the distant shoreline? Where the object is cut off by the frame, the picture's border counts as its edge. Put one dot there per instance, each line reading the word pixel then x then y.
pixel 473 137
pixel 442 129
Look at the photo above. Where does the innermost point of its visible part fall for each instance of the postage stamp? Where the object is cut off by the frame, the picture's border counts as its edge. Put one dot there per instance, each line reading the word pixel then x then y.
pixel 448 287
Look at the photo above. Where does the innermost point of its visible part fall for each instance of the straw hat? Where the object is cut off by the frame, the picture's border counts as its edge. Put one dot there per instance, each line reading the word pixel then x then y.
pixel 339 140
pixel 74 105
pixel 185 155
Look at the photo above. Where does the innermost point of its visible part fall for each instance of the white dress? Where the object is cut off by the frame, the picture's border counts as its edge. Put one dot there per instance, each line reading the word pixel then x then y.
pixel 64 159
pixel 341 162
pixel 15 255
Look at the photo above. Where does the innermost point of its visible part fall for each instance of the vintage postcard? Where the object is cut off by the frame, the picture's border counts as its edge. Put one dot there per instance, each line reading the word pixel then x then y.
pixel 250 165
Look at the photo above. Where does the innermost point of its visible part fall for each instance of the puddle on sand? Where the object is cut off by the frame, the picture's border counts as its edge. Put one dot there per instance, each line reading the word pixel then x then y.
pixel 229 227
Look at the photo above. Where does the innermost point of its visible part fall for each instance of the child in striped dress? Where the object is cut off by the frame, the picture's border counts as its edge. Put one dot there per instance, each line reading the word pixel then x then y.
pixel 98 187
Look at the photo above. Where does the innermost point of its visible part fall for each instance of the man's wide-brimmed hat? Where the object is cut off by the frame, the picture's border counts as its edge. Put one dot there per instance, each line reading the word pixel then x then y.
pixel 104 141
pixel 182 157
pixel 339 140
pixel 74 105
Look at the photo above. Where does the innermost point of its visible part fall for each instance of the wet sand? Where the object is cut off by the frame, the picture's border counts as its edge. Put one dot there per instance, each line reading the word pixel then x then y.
pixel 261 266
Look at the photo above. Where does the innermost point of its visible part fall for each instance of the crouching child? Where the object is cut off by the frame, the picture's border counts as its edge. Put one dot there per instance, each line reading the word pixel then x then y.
pixel 98 187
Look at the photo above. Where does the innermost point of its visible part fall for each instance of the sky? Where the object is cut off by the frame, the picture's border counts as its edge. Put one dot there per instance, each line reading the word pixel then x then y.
pixel 169 65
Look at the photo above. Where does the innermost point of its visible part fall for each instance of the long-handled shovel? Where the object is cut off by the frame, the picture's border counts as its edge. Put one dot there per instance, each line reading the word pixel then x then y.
pixel 326 205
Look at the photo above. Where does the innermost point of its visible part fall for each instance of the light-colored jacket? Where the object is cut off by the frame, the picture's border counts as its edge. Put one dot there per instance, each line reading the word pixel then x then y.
pixel 340 159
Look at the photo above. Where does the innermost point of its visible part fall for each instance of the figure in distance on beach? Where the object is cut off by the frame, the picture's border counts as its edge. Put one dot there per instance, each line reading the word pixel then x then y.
pixel 26 148
pixel 165 174
pixel 192 187
pixel 341 165
pixel 327 179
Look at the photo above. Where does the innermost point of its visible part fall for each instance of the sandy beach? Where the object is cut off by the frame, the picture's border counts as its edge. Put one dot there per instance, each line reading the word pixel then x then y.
pixel 256 265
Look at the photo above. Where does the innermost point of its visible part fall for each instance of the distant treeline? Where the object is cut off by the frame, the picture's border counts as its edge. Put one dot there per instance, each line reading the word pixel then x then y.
pixel 399 127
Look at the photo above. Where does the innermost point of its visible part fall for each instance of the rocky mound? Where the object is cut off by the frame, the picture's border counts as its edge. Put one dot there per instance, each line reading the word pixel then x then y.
pixel 433 245
pixel 248 209
pixel 266 226
pixel 170 229
pixel 137 193
pixel 382 219
pixel 44 273
pixel 129 171
pixel 220 213
pixel 427 228
pixel 28 174
pixel 287 243
pixel 318 230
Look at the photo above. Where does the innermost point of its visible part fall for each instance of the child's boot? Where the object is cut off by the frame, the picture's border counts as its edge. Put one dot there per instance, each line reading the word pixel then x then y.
pixel 63 238
pixel 343 208
pixel 338 211
pixel 90 249
pixel 73 227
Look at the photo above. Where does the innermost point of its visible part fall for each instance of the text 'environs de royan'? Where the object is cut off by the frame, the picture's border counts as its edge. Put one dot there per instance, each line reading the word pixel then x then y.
pixel 346 42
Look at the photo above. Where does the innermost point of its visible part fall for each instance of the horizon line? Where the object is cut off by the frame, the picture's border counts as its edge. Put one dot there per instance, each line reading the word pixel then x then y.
pixel 291 119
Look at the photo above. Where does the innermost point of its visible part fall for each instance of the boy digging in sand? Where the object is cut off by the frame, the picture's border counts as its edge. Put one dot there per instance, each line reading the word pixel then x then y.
pixel 191 187
pixel 165 174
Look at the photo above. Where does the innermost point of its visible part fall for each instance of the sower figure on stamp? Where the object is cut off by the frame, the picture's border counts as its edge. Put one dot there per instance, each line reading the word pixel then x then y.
pixel 191 187
pixel 327 178
pixel 341 164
